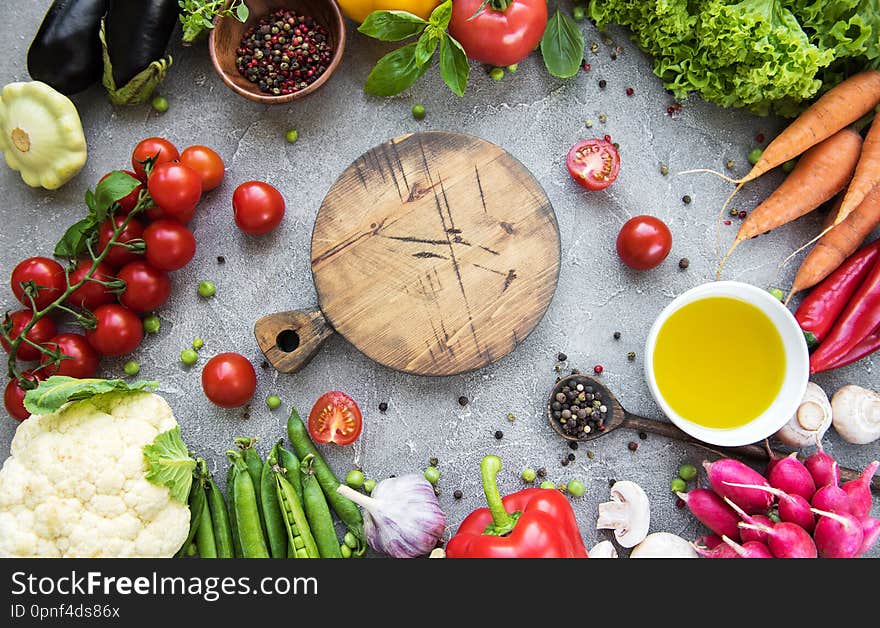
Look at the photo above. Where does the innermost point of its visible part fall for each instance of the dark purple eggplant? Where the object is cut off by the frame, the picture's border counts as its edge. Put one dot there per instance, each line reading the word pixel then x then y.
pixel 66 51
pixel 137 33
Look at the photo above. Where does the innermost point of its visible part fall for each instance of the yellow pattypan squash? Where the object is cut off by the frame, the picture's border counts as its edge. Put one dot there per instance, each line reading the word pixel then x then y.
pixel 41 135
pixel 358 10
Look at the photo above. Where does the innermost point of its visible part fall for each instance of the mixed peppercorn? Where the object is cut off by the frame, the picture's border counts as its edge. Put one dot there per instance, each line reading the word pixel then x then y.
pixel 578 408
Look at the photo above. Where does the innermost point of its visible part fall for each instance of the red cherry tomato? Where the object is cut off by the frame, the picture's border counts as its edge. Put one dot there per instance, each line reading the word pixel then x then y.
pixel 117 330
pixel 128 203
pixel 40 333
pixel 154 149
pixel 207 163
pixel 498 38
pixel 13 396
pixel 229 380
pixel 146 288
pixel 593 163
pixel 643 242
pixel 335 418
pixel 119 255
pixel 47 275
pixel 175 188
pixel 81 361
pixel 91 294
pixel 258 207
pixel 170 245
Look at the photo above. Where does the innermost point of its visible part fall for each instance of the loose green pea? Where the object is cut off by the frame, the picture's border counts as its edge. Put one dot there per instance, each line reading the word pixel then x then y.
pixel 355 478
pixel 291 136
pixel 189 357
pixel 160 104
pixel 548 484
pixel 578 14
pixel 496 74
pixel 152 324
pixel 576 488
pixel 528 475
pixel 512 68
pixel 789 165
pixel 345 550
pixel 677 485
pixel 273 401
pixel 369 485
pixel 776 292
pixel 432 474
pixel 755 155
pixel 131 368
pixel 687 472
pixel 207 289
pixel 418 112
pixel 198 343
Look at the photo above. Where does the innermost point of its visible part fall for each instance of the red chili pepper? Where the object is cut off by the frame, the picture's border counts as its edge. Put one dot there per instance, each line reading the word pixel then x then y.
pixel 534 523
pixel 858 320
pixel 862 350
pixel 817 313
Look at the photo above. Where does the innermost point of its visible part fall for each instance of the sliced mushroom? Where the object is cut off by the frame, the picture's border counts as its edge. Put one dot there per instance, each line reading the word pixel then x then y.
pixel 663 545
pixel 812 419
pixel 628 513
pixel 856 414
pixel 603 549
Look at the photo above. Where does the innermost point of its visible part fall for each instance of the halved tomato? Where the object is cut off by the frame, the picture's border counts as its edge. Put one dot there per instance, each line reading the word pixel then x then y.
pixel 335 418
pixel 593 163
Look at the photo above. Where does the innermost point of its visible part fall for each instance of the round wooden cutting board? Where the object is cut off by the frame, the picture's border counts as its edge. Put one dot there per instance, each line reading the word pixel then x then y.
pixel 434 253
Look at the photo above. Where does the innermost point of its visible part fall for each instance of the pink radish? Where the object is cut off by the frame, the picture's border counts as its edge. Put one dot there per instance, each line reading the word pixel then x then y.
pixel 871 530
pixel 722 473
pixel 721 550
pixel 788 540
pixel 791 476
pixel 792 508
pixel 750 549
pixel 823 468
pixel 832 498
pixel 859 491
pixel 708 541
pixel 773 459
pixel 712 512
pixel 838 535
pixel 748 534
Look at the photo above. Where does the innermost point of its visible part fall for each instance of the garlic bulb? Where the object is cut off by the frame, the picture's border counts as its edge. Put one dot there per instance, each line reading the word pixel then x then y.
pixel 813 418
pixel 856 414
pixel 603 549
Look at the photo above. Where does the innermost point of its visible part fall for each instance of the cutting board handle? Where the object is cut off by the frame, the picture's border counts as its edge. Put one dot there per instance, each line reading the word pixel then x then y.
pixel 290 340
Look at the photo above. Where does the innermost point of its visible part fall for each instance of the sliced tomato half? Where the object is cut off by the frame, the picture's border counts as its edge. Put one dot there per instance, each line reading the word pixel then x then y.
pixel 593 163
pixel 335 418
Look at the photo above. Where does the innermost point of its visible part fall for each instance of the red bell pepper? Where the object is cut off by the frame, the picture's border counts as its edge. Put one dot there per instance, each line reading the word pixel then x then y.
pixel 534 523
pixel 498 32
pixel 816 313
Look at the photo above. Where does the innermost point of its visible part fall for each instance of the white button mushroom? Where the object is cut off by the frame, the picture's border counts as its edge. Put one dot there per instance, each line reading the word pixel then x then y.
pixel 856 414
pixel 603 549
pixel 663 545
pixel 628 513
pixel 813 418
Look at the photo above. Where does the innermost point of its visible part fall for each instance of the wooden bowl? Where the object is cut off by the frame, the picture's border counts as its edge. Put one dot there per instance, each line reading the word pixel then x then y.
pixel 226 35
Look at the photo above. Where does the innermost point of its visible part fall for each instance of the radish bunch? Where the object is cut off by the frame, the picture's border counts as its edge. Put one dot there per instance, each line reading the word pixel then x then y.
pixel 799 510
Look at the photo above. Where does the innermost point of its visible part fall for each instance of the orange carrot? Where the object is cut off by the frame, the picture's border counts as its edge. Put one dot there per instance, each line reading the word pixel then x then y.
pixel 840 106
pixel 839 243
pixel 823 171
pixel 866 176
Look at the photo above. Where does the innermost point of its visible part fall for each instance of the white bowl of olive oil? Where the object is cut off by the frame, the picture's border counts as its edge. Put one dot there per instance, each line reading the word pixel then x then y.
pixel 727 363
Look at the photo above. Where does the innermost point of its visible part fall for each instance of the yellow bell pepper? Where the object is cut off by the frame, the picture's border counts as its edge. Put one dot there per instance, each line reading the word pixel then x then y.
pixel 358 10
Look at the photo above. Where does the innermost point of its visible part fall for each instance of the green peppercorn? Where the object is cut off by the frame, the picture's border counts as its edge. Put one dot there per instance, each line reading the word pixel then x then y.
pixel 207 289
pixel 355 478
pixel 677 485
pixel 496 74
pixel 189 357
pixel 418 112
pixel 562 487
pixel 152 324
pixel 755 155
pixel 528 475
pixel 548 484
pixel 131 368
pixel 576 488
pixel 369 485
pixel 273 401
pixel 197 343
pixel 664 170
pixel 432 474
pixel 291 136
pixel 730 165
pixel 160 104
pixel 687 472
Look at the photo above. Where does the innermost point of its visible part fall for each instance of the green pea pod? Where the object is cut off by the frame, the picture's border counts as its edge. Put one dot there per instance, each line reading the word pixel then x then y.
pixel 247 513
pixel 230 508
pixel 255 468
pixel 288 461
pixel 275 528
pixel 205 542
pixel 220 521
pixel 318 512
pixel 345 509
pixel 301 543
pixel 196 501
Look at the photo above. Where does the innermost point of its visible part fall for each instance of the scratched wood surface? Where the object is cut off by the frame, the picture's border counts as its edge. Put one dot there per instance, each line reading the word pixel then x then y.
pixel 435 253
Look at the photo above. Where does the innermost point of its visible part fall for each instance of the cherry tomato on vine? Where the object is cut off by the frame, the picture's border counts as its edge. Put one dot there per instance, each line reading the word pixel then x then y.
pixel 207 163
pixel 170 245
pixel 41 333
pixel 335 418
pixel 120 255
pixel 81 361
pixel 117 330
pixel 91 294
pixel 13 396
pixel 643 242
pixel 593 163
pixel 47 275
pixel 157 150
pixel 128 203
pixel 229 380
pixel 498 32
pixel 175 188
pixel 258 207
pixel 146 288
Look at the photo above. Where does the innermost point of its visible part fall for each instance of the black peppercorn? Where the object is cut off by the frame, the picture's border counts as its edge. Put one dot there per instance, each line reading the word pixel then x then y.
pixel 542 472
pixel 561 357
pixel 462 401
pixel 383 407
pixel 686 199
pixel 617 335
pixel 221 259
pixel 573 445
pixel 602 83
pixel 643 436
pixel 684 263
pixel 499 434
pixel 571 457
pixel 457 494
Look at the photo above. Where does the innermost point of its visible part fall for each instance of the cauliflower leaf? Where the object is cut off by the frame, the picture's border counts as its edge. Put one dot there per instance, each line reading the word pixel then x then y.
pixel 57 390
pixel 170 464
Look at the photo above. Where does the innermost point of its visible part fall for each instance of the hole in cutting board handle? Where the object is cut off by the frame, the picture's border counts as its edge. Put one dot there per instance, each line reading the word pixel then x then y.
pixel 290 339
pixel 287 340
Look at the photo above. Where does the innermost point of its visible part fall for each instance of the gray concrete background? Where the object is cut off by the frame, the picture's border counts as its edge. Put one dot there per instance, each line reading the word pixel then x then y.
pixel 530 114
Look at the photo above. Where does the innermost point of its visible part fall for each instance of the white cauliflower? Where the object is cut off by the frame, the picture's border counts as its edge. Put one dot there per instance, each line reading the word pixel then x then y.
pixel 74 483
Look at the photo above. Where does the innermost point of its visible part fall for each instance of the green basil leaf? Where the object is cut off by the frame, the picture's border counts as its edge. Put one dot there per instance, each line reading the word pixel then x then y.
pixel 454 66
pixel 392 25
pixel 90 200
pixel 427 44
pixel 395 72
pixel 116 186
pixel 169 464
pixel 441 15
pixel 57 390
pixel 242 13
pixel 562 46
pixel 73 243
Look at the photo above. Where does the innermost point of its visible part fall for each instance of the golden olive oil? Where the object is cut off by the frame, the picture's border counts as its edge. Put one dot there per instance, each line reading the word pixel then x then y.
pixel 719 362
